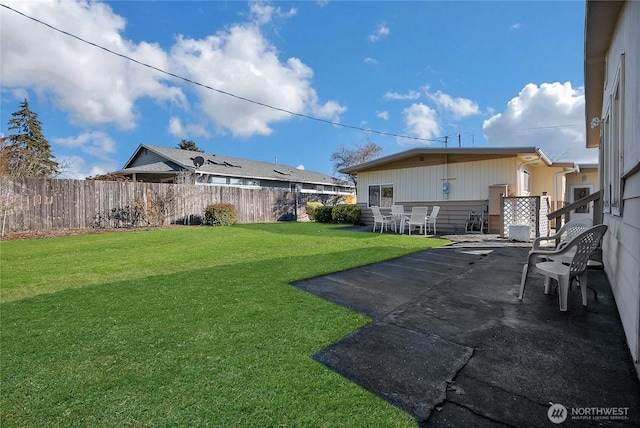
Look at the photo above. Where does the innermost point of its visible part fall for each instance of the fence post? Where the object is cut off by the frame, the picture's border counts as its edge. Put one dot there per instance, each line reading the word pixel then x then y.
pixel 537 211
pixel 502 226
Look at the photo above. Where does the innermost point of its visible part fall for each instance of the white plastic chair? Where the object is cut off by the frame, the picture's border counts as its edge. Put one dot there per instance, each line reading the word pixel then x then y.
pixel 397 213
pixel 384 220
pixel 433 217
pixel 562 270
pixel 567 232
pixel 418 217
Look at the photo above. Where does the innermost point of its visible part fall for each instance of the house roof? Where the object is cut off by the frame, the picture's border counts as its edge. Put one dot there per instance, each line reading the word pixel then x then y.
pixel 600 21
pixel 171 161
pixel 469 153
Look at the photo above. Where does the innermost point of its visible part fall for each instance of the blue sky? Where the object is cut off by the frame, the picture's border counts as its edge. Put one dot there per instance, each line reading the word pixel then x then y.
pixel 480 73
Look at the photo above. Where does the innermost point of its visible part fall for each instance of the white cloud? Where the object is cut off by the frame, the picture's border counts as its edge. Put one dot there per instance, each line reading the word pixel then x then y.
pixel 242 62
pixel 369 60
pixel 262 12
pixel 177 129
pixel 549 116
pixel 515 26
pixel 421 121
pixel 411 95
pixel 301 166
pixel 94 87
pixel 459 107
pixel 382 30
pixel 75 167
pixel 97 144
pixel 384 115
pixel 330 110
pixel 91 85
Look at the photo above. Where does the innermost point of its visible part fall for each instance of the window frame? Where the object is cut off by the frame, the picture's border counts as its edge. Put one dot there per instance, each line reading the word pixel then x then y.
pixel 526 182
pixel 380 198
pixel 612 138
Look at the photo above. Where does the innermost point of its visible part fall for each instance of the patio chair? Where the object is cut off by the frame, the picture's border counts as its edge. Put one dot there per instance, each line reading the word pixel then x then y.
pixel 475 222
pixel 418 217
pixel 561 269
pixel 384 220
pixel 566 233
pixel 432 218
pixel 397 213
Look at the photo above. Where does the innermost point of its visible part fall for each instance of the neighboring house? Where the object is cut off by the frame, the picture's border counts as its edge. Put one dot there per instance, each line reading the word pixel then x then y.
pixel 463 179
pixel 162 165
pixel 612 95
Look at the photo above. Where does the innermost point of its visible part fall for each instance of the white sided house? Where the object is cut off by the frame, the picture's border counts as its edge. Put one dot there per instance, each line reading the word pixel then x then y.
pixel 460 180
pixel 164 165
pixel 612 95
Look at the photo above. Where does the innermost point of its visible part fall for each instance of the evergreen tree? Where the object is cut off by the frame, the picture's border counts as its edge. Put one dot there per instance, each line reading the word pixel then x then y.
pixel 189 145
pixel 25 151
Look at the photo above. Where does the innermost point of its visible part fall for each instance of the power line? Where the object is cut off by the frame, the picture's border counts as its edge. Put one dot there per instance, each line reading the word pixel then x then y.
pixel 358 128
pixel 549 127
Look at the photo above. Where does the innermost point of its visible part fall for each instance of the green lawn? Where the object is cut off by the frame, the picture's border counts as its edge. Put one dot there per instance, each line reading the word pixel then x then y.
pixel 183 327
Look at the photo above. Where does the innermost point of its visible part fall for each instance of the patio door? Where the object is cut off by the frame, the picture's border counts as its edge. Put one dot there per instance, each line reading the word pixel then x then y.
pixel 579 192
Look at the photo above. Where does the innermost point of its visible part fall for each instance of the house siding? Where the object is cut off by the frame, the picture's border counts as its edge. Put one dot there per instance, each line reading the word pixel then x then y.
pixel 621 245
pixel 452 218
pixel 543 180
pixel 153 162
pixel 468 180
pixel 587 177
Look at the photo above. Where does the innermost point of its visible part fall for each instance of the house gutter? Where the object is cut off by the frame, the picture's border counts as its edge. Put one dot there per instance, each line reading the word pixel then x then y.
pixel 520 169
pixel 575 169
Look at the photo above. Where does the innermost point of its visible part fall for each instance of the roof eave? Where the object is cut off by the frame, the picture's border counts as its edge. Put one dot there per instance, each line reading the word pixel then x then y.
pixel 428 150
pixel 600 21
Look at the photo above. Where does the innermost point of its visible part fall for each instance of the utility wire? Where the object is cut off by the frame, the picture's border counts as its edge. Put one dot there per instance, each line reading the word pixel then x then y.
pixel 219 90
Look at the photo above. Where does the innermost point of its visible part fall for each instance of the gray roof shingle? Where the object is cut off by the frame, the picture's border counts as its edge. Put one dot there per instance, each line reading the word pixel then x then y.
pixel 222 165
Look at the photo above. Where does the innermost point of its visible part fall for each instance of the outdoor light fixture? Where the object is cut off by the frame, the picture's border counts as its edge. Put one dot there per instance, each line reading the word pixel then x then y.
pixel 595 122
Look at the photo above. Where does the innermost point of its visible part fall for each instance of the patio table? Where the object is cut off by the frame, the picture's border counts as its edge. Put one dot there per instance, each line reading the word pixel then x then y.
pixel 399 218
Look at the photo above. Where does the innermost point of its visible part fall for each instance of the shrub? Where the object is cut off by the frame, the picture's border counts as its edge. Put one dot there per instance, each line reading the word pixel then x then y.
pixel 220 214
pixel 311 209
pixel 323 214
pixel 346 213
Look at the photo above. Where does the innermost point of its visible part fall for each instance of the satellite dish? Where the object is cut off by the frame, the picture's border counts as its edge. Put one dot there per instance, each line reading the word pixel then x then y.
pixel 198 161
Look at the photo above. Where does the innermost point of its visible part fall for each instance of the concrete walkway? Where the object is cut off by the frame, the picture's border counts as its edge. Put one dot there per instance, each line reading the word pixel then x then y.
pixel 452 345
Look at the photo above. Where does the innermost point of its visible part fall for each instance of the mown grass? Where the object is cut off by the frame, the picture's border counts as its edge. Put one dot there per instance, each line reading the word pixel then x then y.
pixel 183 327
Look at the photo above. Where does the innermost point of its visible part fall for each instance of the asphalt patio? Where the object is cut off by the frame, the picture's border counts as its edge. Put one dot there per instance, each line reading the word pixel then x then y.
pixel 451 344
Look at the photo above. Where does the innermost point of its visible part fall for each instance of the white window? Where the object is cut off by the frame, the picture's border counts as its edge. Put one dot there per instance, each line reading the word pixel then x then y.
pixel 381 195
pixel 612 145
pixel 526 182
pixel 214 179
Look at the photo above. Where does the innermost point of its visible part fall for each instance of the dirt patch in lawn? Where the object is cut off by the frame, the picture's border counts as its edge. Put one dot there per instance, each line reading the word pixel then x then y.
pixel 39 234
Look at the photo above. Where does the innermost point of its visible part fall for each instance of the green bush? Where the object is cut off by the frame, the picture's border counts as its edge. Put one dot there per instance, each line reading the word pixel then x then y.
pixel 311 209
pixel 220 214
pixel 346 213
pixel 323 214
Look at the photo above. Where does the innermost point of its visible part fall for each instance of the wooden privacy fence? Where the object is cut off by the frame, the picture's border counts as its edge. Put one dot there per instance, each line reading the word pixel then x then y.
pixel 29 204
